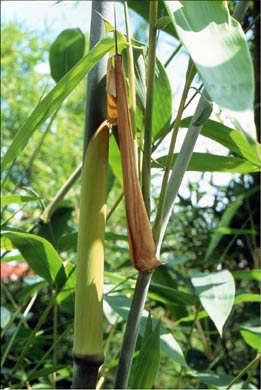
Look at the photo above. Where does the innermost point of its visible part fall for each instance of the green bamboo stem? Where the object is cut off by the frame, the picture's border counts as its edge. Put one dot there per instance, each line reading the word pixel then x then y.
pixel 158 220
pixel 88 325
pixel 146 175
pixel 49 210
pixel 132 330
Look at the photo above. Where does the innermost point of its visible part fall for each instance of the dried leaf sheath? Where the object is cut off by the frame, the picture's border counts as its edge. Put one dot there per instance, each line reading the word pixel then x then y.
pixel 141 241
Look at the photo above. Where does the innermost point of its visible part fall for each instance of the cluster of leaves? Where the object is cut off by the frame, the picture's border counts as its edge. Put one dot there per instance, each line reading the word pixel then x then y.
pixel 193 305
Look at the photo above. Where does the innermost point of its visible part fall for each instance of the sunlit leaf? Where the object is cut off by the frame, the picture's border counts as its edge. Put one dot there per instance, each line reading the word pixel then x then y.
pixel 219 49
pixel 40 255
pixel 15 198
pixel 207 162
pixel 66 51
pixel 216 292
pixel 251 335
pixel 57 95
pixel 233 139
pixel 251 274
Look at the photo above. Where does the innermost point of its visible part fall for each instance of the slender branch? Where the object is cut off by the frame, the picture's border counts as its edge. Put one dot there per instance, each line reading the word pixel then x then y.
pixel 189 78
pixel 149 105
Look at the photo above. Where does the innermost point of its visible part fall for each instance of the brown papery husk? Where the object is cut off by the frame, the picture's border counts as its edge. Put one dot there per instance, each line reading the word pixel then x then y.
pixel 142 246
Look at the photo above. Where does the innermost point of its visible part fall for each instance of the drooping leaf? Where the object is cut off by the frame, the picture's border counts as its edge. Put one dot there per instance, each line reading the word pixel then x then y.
pixel 233 139
pixel 216 292
pixel 66 297
pixel 219 49
pixel 66 51
pixel 148 361
pixel 58 94
pixel 40 255
pixel 207 162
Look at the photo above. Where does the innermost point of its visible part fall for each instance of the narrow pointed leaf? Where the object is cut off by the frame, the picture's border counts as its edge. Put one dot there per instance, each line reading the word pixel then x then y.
pixel 207 162
pixel 233 139
pixel 40 255
pixel 216 292
pixel 252 336
pixel 57 95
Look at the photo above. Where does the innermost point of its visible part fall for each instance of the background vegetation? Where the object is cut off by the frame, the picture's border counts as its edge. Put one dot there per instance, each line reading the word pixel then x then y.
pixel 37 324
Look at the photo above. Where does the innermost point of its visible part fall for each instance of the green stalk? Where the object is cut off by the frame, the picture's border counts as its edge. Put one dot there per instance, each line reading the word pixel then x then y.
pixel 132 330
pixel 49 210
pixel 189 78
pixel 146 176
pixel 88 324
pixel 252 364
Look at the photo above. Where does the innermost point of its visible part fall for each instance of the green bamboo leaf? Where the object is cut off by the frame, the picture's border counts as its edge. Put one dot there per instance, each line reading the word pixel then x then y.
pixel 40 255
pixel 247 298
pixel 216 292
pixel 15 198
pixel 58 94
pixel 233 139
pixel 250 274
pixel 66 51
pixel 66 297
pixel 207 162
pixel 252 336
pixel 170 295
pixel 227 72
pixel 148 360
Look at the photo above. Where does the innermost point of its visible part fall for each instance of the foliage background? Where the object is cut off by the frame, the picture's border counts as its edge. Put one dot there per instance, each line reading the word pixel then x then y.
pixel 43 171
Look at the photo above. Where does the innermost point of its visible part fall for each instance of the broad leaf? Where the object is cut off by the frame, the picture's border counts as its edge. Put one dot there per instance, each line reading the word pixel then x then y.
pixel 40 255
pixel 66 51
pixel 207 162
pixel 233 139
pixel 58 94
pixel 216 292
pixel 218 47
